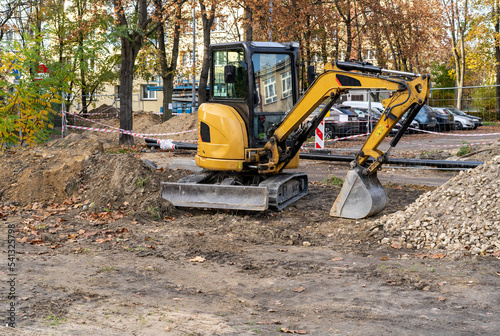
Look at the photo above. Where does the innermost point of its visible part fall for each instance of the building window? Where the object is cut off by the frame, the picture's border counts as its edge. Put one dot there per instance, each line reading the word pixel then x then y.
pixel 219 24
pixel 286 84
pixel 270 90
pixel 186 59
pixel 148 94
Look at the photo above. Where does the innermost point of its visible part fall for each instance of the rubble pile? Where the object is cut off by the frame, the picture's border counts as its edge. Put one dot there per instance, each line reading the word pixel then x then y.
pixel 463 215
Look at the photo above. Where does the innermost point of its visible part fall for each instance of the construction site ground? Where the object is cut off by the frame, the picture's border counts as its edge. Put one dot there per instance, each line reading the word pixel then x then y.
pixel 98 252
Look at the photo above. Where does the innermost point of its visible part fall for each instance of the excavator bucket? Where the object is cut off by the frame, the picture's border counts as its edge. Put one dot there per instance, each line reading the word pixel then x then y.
pixel 361 196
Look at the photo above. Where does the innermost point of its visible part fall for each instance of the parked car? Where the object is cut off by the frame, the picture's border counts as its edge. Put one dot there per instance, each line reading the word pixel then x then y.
pixel 364 104
pixel 338 123
pixel 477 121
pixel 374 116
pixel 445 120
pixel 367 118
pixel 426 118
pixel 461 122
pixel 345 122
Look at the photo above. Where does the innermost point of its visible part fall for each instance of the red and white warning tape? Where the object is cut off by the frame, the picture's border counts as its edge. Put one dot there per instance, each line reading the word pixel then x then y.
pixel 125 131
pixel 457 145
pixel 348 137
pixel 453 134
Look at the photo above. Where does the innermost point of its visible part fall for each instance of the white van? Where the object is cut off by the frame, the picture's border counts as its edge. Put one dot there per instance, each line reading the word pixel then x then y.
pixel 376 106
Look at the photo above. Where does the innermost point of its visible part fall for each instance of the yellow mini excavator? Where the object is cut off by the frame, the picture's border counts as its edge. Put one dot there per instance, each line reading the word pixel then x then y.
pixel 253 126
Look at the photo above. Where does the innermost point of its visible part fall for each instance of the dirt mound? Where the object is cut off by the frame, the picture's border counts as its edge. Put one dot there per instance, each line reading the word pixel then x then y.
pixel 147 123
pixel 103 111
pixel 78 166
pixel 180 123
pixel 463 215
pixel 39 174
pixel 113 181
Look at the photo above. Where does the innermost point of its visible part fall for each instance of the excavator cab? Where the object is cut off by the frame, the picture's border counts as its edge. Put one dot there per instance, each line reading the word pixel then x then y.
pixel 258 80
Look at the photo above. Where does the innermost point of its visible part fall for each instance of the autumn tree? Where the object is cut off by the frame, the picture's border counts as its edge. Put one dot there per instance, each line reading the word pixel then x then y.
pixel 133 23
pixel 29 99
pixel 168 60
pixel 485 36
pixel 208 9
pixel 457 18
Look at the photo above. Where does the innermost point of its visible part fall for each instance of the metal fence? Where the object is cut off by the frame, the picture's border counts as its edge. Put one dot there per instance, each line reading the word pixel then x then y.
pixel 480 101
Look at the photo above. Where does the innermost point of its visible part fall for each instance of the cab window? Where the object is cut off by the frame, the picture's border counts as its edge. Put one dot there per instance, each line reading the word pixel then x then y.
pixel 224 90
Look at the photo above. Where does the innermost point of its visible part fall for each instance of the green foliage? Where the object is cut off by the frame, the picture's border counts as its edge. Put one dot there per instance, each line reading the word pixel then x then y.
pixel 441 77
pixel 27 99
pixel 464 150
pixel 334 180
pixel 140 182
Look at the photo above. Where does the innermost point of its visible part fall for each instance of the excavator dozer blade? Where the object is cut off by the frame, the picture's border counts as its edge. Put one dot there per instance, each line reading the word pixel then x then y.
pixel 215 196
pixel 361 196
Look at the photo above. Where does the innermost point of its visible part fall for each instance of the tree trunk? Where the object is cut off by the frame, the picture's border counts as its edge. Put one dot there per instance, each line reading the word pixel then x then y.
pixel 131 43
pixel 125 92
pixel 207 21
pixel 168 70
pixel 248 24
pixel 167 99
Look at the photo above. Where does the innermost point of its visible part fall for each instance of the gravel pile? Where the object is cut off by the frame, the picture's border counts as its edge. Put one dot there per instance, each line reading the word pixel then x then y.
pixel 463 215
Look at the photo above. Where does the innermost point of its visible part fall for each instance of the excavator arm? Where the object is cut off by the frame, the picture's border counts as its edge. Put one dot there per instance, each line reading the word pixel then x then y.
pixel 410 93
pixel 362 195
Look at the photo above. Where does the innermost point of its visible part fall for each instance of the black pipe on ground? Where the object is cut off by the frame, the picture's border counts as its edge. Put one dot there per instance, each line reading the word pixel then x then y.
pixel 403 162
pixel 348 158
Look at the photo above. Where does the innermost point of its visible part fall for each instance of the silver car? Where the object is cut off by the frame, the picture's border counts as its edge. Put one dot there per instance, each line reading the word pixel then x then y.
pixel 461 122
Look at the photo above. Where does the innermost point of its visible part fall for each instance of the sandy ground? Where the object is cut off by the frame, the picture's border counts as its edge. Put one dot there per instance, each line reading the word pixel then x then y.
pixel 111 260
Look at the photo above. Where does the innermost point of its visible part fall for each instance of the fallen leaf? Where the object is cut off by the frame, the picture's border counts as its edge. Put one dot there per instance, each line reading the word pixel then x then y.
pixel 36 241
pixel 22 240
pixel 290 331
pixel 384 258
pixel 90 233
pixel 337 259
pixel 299 289
pixel 437 256
pixel 426 288
pixel 441 298
pixel 100 241
pixel 81 231
pixel 496 253
pixel 396 245
pixel 197 259
pixel 269 322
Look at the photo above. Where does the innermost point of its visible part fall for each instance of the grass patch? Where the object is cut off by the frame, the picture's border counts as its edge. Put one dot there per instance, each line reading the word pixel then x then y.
pixel 334 180
pixel 140 182
pixel 106 269
pixel 465 149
